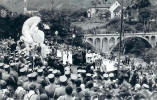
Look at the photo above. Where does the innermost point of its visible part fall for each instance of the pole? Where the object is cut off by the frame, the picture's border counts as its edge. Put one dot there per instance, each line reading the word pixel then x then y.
pixel 120 34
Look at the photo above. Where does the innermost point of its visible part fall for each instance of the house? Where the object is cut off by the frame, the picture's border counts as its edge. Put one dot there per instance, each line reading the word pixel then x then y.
pixel 115 9
pixel 102 6
pixel 113 6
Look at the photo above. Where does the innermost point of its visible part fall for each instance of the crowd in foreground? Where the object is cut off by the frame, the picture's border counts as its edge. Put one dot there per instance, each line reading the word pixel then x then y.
pixel 25 77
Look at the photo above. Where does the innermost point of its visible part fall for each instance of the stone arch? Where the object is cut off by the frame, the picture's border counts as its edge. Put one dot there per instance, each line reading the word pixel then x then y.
pixel 90 40
pixel 105 44
pixel 112 42
pixel 97 44
pixel 147 37
pixel 133 37
pixel 118 38
pixel 153 40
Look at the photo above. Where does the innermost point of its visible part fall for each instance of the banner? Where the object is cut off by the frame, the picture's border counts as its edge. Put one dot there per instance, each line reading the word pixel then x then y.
pixel 109 65
pixel 92 57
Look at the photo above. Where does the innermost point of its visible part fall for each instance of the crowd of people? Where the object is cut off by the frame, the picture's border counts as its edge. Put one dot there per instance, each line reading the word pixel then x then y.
pixel 28 77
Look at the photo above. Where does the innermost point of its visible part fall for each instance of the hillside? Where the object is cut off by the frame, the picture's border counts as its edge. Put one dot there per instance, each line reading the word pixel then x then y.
pixel 17 5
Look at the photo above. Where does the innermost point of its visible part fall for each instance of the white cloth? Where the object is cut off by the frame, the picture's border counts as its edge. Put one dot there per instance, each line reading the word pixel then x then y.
pixel 30 32
pixel 109 65
pixel 59 53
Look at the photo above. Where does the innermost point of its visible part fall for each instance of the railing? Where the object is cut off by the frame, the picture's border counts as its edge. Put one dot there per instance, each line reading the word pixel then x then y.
pixel 125 34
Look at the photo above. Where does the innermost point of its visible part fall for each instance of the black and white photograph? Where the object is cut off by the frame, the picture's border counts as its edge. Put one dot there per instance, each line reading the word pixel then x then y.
pixel 78 49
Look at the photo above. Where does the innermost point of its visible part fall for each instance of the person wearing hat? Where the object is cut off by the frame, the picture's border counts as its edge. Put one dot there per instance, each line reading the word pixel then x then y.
pixel 3 90
pixel 137 88
pixel 124 89
pixel 89 89
pixel 111 78
pixel 22 75
pixel 34 81
pixel 50 71
pixel 78 91
pixel 57 75
pixel 31 95
pixel 60 91
pixel 139 96
pixel 68 94
pixel 73 78
pixel 27 83
pixel 50 89
pixel 5 74
pixel 67 73
pixel 145 91
pixel 106 81
pixel 67 68
pixel 13 70
pixel 40 76
pixel 20 91
pixel 44 97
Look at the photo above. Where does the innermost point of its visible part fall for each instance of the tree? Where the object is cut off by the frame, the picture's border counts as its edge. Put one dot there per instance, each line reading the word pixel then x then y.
pixel 139 27
pixel 144 14
pixel 58 21
pixel 144 17
pixel 154 14
pixel 150 55
pixel 11 24
pixel 95 3
pixel 139 4
pixel 61 21
pixel 78 14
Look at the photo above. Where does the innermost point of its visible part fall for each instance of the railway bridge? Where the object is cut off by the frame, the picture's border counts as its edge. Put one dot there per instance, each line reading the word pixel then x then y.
pixel 106 42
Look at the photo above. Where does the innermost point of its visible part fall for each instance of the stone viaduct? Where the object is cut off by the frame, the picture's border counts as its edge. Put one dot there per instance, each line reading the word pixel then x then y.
pixel 106 42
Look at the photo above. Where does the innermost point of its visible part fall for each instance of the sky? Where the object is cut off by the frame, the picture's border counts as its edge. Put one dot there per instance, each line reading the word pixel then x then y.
pixel 17 5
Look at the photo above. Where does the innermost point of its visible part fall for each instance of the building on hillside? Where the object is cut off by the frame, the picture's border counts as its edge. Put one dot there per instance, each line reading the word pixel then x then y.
pixel 102 6
pixel 113 6
pixel 115 9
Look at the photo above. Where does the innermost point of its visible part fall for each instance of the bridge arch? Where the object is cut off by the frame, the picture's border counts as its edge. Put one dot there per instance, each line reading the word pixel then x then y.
pixel 143 38
pixel 104 44
pixel 112 43
pixel 118 38
pixel 90 40
pixel 153 40
pixel 97 43
pixel 147 37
